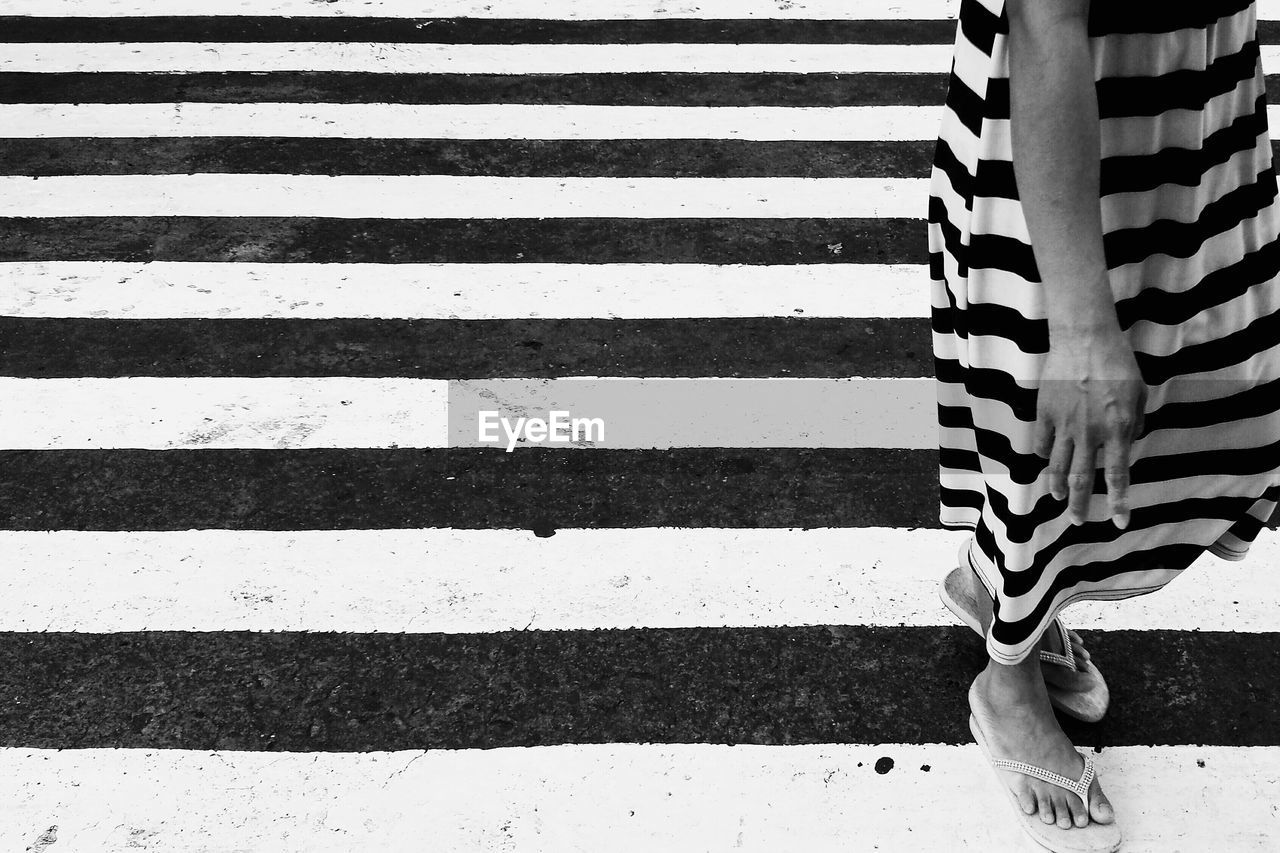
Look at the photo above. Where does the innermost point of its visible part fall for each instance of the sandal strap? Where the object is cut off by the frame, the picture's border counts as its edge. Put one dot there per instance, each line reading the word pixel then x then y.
pixel 1069 659
pixel 1078 787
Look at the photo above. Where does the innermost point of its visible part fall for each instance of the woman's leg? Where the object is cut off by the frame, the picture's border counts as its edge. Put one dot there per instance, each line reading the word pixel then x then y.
pixel 1012 707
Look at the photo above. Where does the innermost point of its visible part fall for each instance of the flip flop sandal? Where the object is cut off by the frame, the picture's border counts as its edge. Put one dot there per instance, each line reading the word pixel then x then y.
pixel 1093 838
pixel 1089 705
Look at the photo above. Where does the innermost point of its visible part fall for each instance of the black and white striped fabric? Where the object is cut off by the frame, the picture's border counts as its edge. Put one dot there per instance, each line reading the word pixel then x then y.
pixel 252 599
pixel 1192 238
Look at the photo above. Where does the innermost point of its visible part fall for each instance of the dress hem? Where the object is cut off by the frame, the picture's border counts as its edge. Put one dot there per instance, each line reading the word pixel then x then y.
pixel 1021 652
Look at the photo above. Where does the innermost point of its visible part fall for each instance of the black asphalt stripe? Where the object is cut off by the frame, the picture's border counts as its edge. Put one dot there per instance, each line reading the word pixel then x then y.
pixel 604 158
pixel 568 240
pixel 44 347
pixel 613 89
pixel 682 89
pixel 244 28
pixel 425 30
pixel 335 692
pixel 539 489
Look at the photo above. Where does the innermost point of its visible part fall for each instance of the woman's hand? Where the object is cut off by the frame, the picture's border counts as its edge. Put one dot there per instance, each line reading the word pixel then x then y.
pixel 1091 395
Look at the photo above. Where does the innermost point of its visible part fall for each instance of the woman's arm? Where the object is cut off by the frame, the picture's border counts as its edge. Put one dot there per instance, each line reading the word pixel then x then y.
pixel 1091 392
pixel 1056 150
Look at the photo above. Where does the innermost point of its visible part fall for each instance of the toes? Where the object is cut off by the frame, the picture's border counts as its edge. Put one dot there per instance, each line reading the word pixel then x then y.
pixel 1100 808
pixel 1046 808
pixel 1027 801
pixel 1079 813
pixel 1077 645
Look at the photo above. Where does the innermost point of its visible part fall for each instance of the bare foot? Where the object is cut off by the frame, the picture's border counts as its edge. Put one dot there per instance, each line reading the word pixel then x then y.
pixel 1012 708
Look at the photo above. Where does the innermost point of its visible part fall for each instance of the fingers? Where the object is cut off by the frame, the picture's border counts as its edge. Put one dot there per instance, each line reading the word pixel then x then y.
pixel 1116 467
pixel 1078 460
pixel 1059 462
pixel 1071 427
pixel 1080 480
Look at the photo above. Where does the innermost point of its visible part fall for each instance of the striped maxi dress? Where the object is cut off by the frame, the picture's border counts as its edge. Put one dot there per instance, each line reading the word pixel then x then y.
pixel 1192 243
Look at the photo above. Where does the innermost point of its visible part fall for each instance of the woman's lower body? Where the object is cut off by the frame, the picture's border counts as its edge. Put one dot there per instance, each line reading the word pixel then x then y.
pixel 1191 228
pixel 1204 476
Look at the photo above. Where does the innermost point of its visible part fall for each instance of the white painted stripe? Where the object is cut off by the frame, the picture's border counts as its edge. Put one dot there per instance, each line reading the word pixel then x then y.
pixel 166 413
pixel 474 581
pixel 477 121
pixel 397 58
pixel 470 121
pixel 448 196
pixel 537 9
pixel 620 797
pixel 461 291
pixel 561 10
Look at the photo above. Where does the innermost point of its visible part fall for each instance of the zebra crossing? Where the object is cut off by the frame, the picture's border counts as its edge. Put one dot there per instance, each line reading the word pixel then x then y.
pixel 254 595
